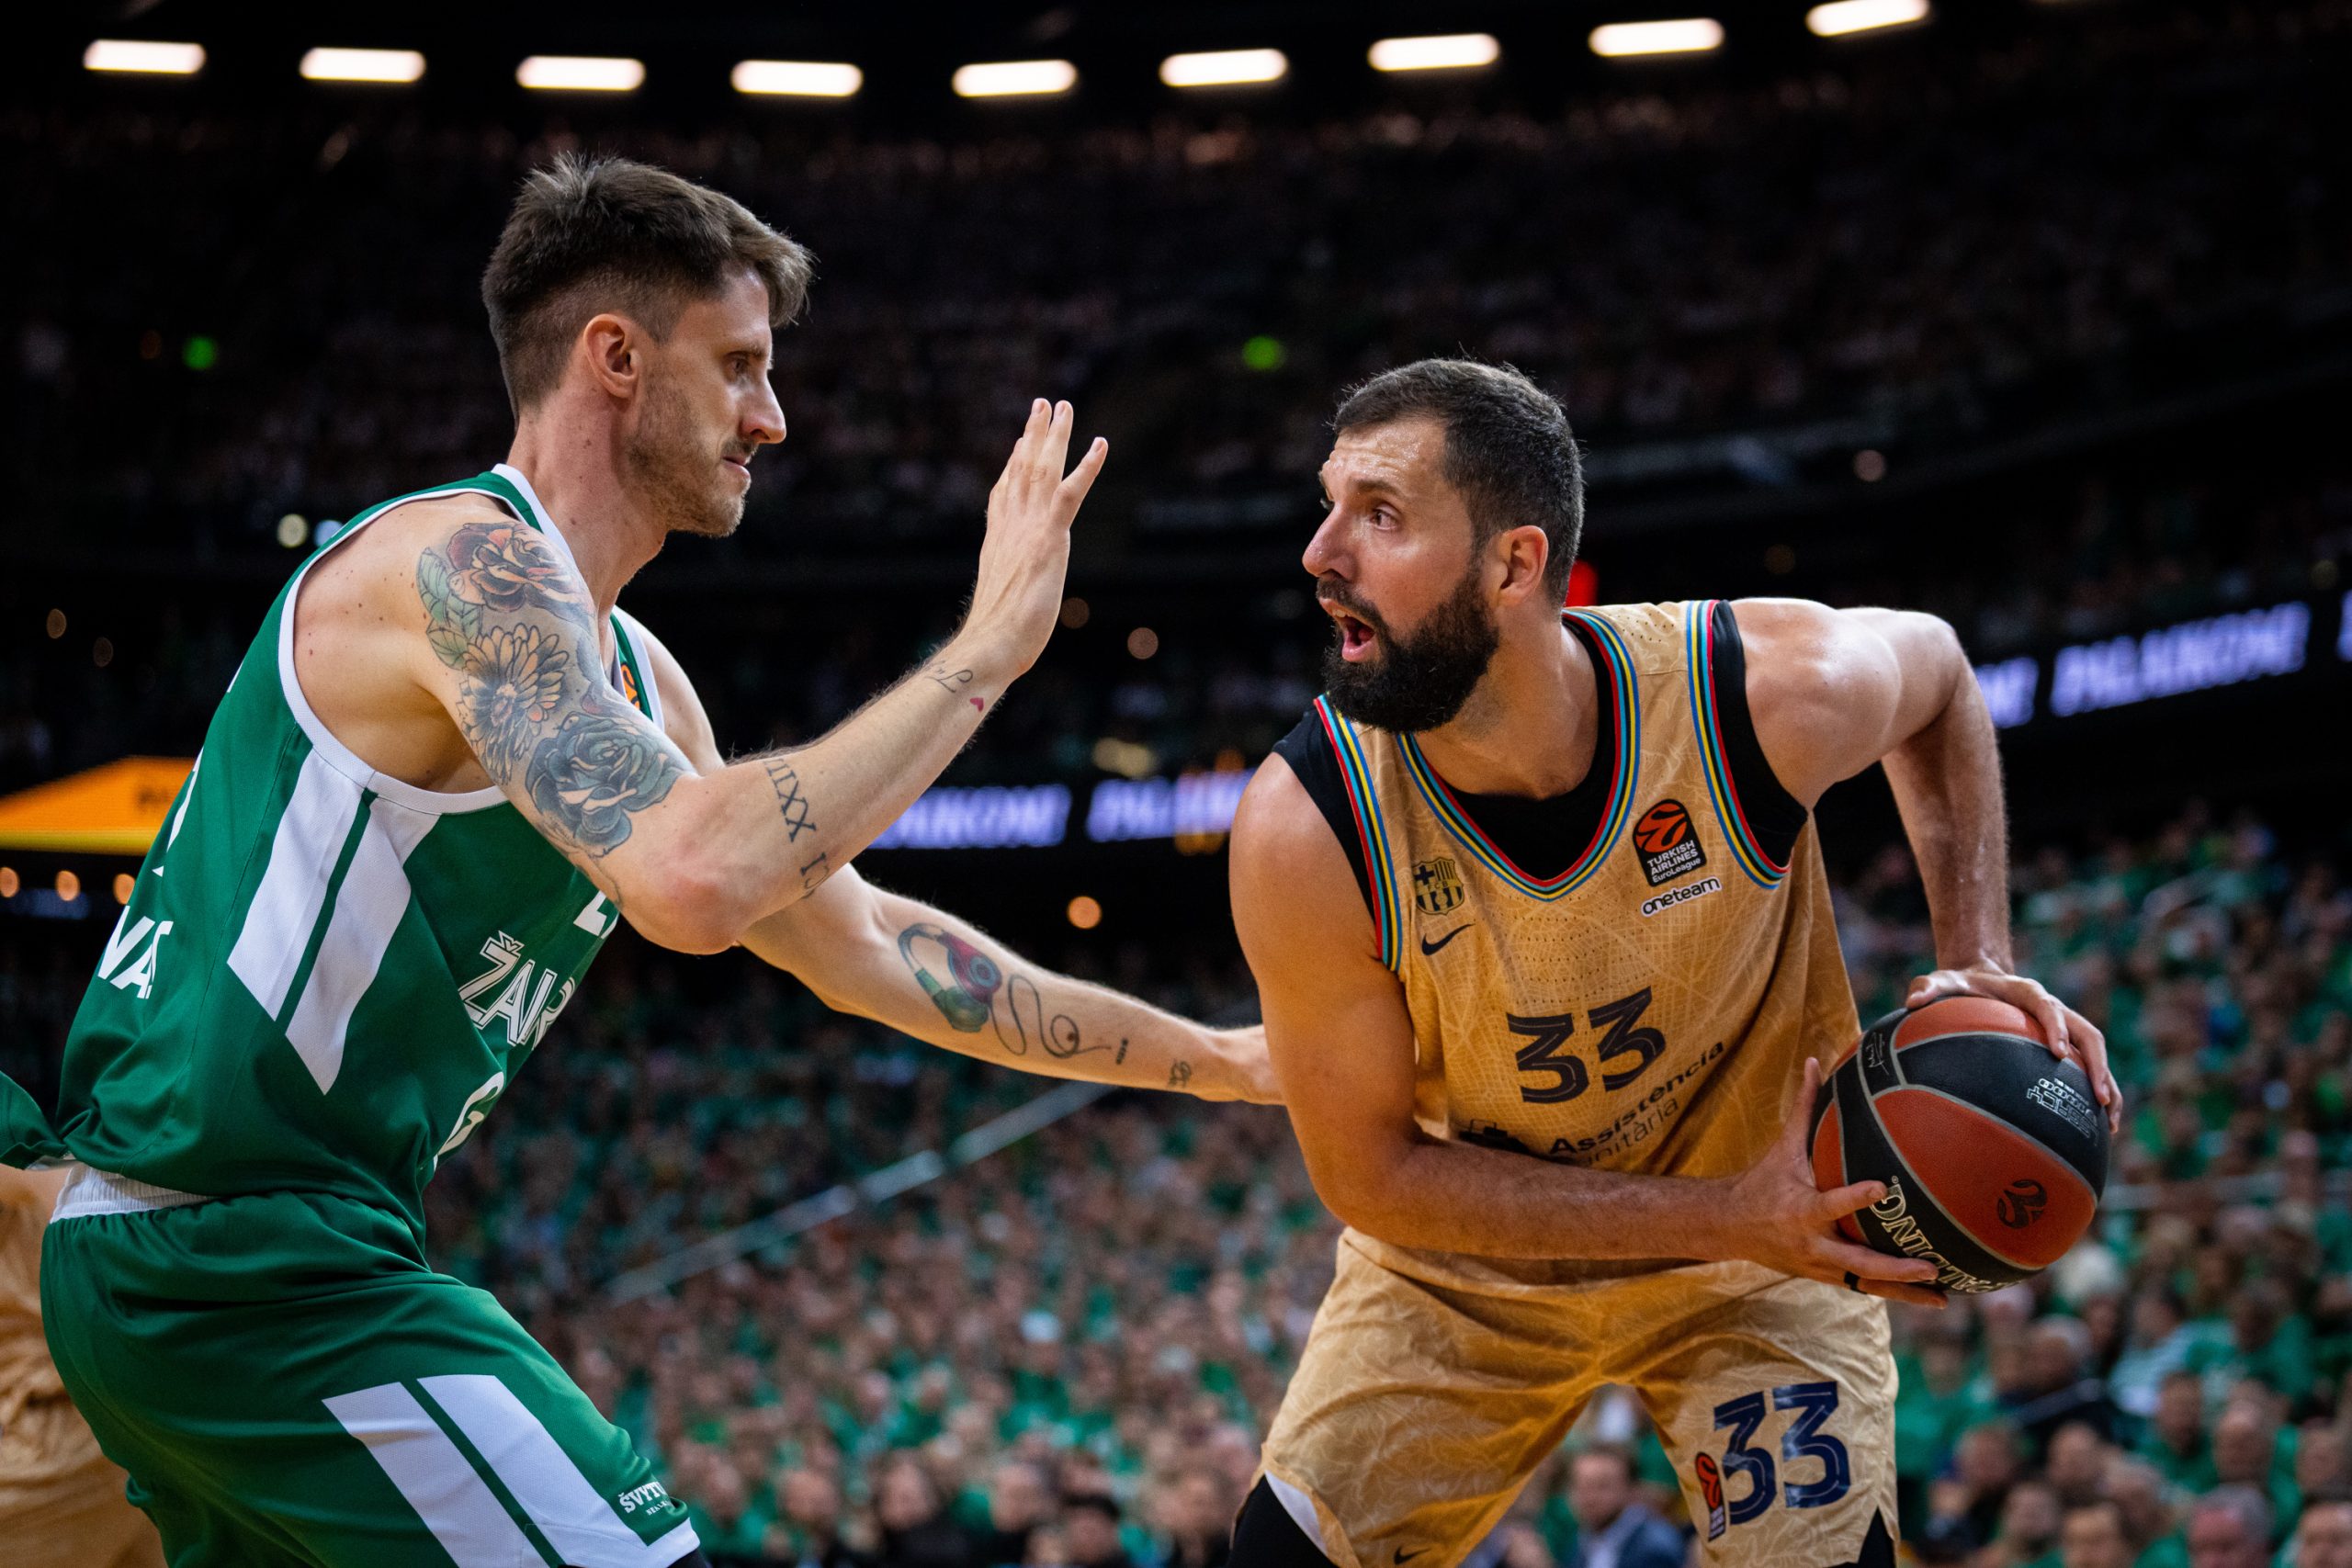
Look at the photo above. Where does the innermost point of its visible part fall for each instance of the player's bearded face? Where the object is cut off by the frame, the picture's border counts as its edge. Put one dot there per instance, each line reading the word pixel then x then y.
pixel 678 466
pixel 1410 683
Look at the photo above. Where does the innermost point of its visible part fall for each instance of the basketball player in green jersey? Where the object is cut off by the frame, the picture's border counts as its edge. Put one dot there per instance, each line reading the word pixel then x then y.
pixel 446 768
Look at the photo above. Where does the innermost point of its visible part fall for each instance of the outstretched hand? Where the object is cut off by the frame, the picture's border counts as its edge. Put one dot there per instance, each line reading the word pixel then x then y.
pixel 1773 1215
pixel 1026 556
pixel 2070 1035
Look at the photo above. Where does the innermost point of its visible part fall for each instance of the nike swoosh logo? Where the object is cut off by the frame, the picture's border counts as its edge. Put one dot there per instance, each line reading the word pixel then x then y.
pixel 1429 947
pixel 1402 1555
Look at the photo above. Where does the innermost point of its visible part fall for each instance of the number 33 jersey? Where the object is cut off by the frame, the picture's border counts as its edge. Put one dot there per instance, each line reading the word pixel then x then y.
pixel 1643 1006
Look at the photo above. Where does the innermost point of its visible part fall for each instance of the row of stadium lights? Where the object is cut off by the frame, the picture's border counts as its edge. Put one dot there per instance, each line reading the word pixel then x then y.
pixel 67 887
pixel 1010 78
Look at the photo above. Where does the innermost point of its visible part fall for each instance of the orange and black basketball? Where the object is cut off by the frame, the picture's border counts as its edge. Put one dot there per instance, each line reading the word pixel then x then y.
pixel 1994 1152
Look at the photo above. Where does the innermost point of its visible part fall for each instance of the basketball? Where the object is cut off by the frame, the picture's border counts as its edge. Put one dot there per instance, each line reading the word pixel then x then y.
pixel 1993 1151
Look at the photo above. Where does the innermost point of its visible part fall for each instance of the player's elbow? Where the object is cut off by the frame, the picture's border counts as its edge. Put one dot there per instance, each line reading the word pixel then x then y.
pixel 691 907
pixel 1365 1187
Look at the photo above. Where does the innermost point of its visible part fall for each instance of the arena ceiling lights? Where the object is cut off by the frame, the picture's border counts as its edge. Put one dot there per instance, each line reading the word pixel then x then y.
pixel 1685 35
pixel 581 73
pixel 143 57
pixel 1015 79
pixel 1224 68
pixel 362 65
pixel 1448 51
pixel 797 78
pixel 1840 16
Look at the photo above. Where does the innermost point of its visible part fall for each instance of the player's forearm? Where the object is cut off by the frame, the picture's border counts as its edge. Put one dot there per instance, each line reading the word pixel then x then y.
pixel 930 974
pixel 1456 1197
pixel 763 833
pixel 1946 783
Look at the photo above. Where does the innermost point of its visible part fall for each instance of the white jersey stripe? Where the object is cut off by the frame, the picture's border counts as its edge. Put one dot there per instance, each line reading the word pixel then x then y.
pixel 455 1505
pixel 578 1523
pixel 286 906
pixel 368 909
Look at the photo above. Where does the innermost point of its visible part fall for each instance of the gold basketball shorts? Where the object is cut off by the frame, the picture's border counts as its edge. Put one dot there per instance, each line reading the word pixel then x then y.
pixel 1420 1409
pixel 74 1517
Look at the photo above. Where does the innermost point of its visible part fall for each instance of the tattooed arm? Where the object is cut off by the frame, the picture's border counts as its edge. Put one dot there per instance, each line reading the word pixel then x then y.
pixel 927 974
pixel 692 857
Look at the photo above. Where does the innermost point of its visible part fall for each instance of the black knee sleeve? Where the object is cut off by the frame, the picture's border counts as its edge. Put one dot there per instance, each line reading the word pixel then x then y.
pixel 1265 1535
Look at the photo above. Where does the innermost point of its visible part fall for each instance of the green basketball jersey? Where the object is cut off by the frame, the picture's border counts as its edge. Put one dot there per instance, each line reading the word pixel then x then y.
pixel 325 977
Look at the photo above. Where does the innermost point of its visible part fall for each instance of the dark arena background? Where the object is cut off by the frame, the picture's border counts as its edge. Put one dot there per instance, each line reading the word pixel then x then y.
pixel 2034 315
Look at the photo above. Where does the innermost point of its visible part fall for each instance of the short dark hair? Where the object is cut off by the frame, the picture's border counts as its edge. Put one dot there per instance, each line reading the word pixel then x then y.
pixel 592 234
pixel 1507 446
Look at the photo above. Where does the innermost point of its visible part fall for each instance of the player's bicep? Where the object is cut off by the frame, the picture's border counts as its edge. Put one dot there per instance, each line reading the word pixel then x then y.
pixel 1831 691
pixel 1337 1028
pixel 515 659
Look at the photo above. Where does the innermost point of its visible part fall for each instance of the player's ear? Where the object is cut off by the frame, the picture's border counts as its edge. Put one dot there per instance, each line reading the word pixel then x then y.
pixel 611 344
pixel 1523 551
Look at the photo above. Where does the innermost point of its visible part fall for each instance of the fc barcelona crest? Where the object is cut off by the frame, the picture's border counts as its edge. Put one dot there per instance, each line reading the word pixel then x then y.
pixel 1436 886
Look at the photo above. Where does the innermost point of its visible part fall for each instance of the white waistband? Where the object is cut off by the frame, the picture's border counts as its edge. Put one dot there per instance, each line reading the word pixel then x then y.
pixel 91 1191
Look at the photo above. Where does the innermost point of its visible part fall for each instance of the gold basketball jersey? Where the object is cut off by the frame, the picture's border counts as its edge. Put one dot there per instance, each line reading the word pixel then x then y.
pixel 1644 1009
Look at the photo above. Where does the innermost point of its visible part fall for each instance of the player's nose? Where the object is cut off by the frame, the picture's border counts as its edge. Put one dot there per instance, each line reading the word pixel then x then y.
pixel 1323 556
pixel 765 424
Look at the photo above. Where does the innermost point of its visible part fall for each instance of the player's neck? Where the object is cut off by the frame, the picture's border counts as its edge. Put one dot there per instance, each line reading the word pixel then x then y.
pixel 579 483
pixel 1532 726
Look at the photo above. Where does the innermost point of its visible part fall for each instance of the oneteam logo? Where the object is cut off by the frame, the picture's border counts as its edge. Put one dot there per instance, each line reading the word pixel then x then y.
pixel 1682 894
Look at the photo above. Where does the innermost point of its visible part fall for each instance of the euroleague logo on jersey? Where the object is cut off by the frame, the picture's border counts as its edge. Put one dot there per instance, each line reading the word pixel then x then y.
pixel 1669 843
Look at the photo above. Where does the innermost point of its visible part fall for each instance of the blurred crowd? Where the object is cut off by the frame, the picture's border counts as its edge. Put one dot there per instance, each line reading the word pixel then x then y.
pixel 1063 1353
pixel 1900 237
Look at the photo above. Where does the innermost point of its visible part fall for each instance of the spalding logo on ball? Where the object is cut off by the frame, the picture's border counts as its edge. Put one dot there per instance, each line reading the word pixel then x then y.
pixel 1994 1152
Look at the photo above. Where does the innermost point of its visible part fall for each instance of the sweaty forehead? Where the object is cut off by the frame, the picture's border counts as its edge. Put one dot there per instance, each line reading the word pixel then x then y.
pixel 1404 455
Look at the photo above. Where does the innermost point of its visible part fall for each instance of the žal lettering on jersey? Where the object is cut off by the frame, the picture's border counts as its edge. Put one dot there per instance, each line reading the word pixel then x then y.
pixel 119 967
pixel 525 996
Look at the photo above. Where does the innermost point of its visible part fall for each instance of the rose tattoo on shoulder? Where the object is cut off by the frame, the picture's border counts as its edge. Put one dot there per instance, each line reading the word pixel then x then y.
pixel 592 772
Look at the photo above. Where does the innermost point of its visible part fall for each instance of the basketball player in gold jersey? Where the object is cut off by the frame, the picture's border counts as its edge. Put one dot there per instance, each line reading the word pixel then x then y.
pixel 61 1500
pixel 1538 917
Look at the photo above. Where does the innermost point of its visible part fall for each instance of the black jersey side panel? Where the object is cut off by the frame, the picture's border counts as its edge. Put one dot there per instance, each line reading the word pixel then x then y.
pixel 1773 813
pixel 1308 749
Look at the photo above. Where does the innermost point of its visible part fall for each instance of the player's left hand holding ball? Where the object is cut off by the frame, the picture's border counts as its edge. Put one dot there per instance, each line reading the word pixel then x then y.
pixel 2072 1037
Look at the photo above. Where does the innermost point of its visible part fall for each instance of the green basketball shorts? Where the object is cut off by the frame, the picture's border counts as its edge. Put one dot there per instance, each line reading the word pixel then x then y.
pixel 287 1384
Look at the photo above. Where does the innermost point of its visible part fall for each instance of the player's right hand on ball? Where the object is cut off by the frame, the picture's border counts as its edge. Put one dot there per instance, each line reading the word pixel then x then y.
pixel 1026 556
pixel 1773 1215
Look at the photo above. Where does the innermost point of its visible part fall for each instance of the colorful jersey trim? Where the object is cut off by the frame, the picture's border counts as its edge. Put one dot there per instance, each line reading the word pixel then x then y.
pixel 1619 676
pixel 1699 629
pixel 628 676
pixel 1370 830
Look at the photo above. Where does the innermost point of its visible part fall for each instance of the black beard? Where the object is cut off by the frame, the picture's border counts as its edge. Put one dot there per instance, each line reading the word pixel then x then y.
pixel 1409 686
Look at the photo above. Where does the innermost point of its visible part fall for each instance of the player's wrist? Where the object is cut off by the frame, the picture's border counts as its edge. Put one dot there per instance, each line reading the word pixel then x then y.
pixel 980 660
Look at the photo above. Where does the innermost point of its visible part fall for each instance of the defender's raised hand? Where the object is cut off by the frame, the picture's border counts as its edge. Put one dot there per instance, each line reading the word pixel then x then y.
pixel 1025 556
pixel 1776 1217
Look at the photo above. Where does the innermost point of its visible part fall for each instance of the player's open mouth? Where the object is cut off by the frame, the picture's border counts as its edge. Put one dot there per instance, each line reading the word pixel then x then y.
pixel 1356 636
